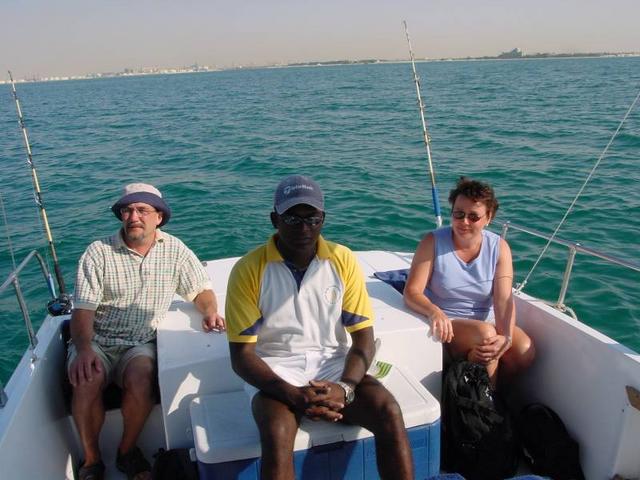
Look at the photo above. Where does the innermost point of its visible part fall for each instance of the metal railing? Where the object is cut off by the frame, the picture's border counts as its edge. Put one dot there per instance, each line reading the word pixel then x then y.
pixel 3 396
pixel 12 279
pixel 574 248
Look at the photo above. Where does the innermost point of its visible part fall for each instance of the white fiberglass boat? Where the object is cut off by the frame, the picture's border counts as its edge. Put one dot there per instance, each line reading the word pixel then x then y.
pixel 589 379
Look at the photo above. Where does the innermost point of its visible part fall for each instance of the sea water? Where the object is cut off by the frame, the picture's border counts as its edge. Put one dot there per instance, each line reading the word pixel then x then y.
pixel 217 143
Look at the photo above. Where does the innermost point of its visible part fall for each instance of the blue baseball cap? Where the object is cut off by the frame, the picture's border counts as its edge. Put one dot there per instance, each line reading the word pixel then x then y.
pixel 295 190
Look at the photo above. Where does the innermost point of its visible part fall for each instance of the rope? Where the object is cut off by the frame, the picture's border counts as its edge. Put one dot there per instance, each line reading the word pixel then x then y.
pixel 602 155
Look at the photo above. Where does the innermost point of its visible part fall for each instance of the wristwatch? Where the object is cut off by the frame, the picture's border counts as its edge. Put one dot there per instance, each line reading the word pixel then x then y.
pixel 349 392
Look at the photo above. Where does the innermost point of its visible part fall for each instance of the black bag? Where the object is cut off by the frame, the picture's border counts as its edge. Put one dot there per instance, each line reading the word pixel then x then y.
pixel 478 436
pixel 174 464
pixel 547 445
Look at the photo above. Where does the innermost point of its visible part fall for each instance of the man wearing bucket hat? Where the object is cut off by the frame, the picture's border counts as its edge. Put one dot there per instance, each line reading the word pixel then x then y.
pixel 291 306
pixel 124 286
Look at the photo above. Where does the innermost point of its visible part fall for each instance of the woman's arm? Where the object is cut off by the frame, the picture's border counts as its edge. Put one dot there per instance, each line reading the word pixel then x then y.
pixel 414 297
pixel 503 305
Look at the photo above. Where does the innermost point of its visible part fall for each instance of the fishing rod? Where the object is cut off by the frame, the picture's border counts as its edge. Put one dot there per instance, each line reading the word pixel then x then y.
pixel 425 133
pixel 63 301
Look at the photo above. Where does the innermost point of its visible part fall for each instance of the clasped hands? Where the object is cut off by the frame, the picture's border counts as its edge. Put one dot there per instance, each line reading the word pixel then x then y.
pixel 321 400
pixel 489 351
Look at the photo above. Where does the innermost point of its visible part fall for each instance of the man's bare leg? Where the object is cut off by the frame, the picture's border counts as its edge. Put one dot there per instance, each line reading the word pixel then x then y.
pixel 375 409
pixel 88 415
pixel 278 426
pixel 137 399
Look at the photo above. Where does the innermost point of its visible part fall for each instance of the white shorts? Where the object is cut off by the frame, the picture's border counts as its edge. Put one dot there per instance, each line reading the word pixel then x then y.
pixel 299 370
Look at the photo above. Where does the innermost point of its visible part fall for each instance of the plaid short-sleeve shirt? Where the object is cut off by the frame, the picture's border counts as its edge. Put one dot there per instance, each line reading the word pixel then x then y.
pixel 131 293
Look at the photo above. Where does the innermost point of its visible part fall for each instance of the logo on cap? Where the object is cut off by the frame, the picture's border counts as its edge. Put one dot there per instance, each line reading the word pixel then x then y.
pixel 292 188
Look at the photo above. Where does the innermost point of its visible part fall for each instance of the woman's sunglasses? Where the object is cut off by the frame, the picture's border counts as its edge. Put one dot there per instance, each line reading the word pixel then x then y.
pixel 473 217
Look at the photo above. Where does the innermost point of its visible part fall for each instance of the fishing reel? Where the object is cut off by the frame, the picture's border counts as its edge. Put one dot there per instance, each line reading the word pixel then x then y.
pixel 61 305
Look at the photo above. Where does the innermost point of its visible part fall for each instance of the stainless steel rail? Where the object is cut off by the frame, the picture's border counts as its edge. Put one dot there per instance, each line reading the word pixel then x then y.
pixel 3 396
pixel 574 248
pixel 12 279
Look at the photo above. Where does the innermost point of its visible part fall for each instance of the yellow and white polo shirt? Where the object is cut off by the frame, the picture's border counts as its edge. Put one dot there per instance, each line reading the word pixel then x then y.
pixel 265 304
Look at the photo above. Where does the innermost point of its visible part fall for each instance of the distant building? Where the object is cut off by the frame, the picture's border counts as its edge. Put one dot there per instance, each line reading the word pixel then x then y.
pixel 515 53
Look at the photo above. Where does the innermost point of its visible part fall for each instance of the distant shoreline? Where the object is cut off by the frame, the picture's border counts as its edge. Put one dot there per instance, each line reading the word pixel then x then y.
pixel 327 63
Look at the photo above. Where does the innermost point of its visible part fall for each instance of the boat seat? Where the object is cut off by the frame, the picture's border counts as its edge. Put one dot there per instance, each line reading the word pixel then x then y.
pixel 112 395
pixel 227 442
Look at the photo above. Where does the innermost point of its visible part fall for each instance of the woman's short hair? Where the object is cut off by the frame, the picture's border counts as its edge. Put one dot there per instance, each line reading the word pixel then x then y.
pixel 476 191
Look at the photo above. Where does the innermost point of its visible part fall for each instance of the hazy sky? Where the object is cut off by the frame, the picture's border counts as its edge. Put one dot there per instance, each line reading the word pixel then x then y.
pixel 57 37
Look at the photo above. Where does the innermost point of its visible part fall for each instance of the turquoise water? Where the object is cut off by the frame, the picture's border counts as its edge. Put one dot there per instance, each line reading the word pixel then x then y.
pixel 217 143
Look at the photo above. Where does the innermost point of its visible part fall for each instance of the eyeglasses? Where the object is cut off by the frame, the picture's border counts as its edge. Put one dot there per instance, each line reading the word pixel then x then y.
pixel 293 220
pixel 142 212
pixel 472 217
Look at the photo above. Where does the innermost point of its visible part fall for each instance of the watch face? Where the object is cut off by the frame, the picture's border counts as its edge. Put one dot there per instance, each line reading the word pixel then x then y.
pixel 349 392
pixel 351 395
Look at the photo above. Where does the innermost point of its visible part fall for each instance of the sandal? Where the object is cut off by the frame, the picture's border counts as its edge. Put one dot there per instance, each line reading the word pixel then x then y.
pixel 91 472
pixel 132 463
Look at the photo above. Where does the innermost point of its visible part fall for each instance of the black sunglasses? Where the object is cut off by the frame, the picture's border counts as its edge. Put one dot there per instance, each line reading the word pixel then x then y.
pixel 473 217
pixel 293 220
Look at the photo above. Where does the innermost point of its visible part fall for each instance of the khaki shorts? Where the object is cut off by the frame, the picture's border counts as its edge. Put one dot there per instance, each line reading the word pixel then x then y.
pixel 115 358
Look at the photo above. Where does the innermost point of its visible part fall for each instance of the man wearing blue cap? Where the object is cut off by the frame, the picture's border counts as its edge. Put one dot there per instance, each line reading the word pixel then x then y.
pixel 291 306
pixel 124 286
